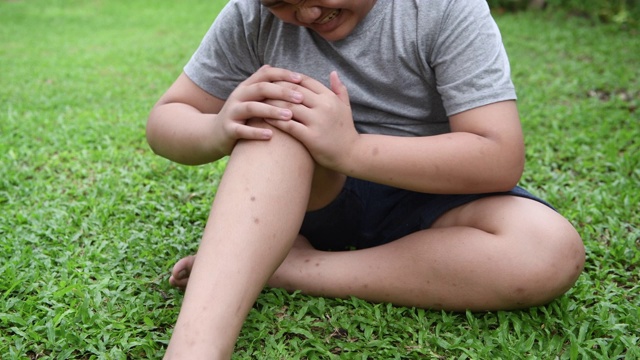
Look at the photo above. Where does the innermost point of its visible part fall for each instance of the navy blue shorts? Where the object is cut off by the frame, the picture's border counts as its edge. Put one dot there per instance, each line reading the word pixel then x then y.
pixel 367 214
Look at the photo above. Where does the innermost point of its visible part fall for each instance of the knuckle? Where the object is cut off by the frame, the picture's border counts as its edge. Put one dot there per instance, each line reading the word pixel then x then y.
pixel 261 87
pixel 237 131
pixel 283 104
pixel 252 107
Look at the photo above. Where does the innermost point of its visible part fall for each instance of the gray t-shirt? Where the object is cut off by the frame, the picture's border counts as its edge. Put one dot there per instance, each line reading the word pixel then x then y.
pixel 407 66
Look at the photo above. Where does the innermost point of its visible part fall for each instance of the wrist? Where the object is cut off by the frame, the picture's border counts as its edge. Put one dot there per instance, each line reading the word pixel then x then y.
pixel 219 144
pixel 348 163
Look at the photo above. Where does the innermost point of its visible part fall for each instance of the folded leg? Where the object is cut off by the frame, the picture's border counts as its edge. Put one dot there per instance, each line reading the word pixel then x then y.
pixel 254 221
pixel 496 253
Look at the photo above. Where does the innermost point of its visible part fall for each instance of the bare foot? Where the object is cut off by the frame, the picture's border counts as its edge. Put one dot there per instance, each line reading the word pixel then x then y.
pixel 181 271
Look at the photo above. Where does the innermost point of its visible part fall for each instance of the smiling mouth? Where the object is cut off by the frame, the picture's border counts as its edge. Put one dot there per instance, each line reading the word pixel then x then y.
pixel 330 16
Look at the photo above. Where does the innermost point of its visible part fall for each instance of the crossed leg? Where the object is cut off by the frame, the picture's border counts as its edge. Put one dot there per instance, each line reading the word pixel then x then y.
pixel 497 253
pixel 500 252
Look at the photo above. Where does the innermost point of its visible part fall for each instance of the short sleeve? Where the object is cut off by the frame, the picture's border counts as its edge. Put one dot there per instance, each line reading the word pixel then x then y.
pixel 469 60
pixel 227 54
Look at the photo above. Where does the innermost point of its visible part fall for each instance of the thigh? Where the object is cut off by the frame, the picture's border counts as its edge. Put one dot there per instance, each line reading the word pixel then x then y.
pixel 517 219
pixel 532 243
pixel 325 187
pixel 491 213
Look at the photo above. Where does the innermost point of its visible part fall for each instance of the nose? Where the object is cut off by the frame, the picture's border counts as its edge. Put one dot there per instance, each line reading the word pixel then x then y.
pixel 308 14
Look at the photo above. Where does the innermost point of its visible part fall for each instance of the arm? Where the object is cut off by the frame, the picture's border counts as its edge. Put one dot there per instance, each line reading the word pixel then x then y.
pixel 190 126
pixel 483 153
pixel 181 124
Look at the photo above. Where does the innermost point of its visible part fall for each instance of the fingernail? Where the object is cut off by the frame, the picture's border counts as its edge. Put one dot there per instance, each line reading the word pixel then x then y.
pixel 285 113
pixel 296 96
pixel 183 274
pixel 296 77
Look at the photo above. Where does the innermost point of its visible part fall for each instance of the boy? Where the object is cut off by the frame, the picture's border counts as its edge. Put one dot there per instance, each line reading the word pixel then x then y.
pixel 419 105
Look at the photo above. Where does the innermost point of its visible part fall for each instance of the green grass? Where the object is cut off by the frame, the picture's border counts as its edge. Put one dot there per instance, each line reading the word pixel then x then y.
pixel 91 221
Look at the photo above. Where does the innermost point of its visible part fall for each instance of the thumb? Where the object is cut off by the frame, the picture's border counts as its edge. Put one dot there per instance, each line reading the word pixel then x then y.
pixel 339 88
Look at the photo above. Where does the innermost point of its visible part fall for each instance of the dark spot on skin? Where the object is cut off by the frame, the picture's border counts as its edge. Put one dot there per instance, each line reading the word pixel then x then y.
pixel 520 290
pixel 256 221
pixel 253 198
pixel 317 264
pixel 375 151
pixel 366 286
pixel 307 260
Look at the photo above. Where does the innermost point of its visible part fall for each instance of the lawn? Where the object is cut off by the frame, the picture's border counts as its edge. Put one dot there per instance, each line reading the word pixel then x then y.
pixel 91 221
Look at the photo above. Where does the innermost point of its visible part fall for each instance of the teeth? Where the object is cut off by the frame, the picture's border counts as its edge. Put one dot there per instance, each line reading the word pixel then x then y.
pixel 332 15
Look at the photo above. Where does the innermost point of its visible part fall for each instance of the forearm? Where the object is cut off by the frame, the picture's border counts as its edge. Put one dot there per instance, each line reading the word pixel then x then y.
pixel 183 134
pixel 453 163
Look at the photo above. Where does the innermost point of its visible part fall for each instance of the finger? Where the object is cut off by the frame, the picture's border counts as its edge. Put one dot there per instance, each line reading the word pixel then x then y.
pixel 245 132
pixel 309 83
pixel 293 128
pixel 338 87
pixel 310 99
pixel 297 88
pixel 272 74
pixel 314 85
pixel 300 112
pixel 266 90
pixel 254 109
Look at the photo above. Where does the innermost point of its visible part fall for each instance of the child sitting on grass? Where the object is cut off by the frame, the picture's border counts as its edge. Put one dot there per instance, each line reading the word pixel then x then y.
pixel 388 127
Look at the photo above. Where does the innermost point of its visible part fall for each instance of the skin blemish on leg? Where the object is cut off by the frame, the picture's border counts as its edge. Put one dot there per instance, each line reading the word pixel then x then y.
pixel 253 198
pixel 256 220
pixel 317 264
pixel 375 151
pixel 307 260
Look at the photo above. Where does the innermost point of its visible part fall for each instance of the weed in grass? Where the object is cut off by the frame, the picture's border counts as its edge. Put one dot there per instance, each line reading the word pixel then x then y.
pixel 91 221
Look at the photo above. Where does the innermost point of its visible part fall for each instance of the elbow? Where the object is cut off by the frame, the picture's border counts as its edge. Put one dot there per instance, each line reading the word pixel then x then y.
pixel 151 136
pixel 508 182
pixel 153 132
pixel 510 173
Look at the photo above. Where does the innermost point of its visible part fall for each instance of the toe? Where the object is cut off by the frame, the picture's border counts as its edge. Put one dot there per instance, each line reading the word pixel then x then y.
pixel 181 271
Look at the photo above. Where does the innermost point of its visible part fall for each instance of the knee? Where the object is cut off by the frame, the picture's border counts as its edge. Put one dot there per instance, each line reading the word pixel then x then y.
pixel 550 269
pixel 280 147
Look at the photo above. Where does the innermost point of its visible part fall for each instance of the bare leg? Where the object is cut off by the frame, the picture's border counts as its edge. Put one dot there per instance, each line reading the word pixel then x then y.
pixel 253 223
pixel 497 253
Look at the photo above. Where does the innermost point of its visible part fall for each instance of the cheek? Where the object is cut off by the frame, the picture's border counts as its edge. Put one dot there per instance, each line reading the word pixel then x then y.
pixel 286 16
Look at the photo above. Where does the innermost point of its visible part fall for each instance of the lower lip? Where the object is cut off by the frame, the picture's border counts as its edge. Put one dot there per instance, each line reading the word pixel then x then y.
pixel 329 26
